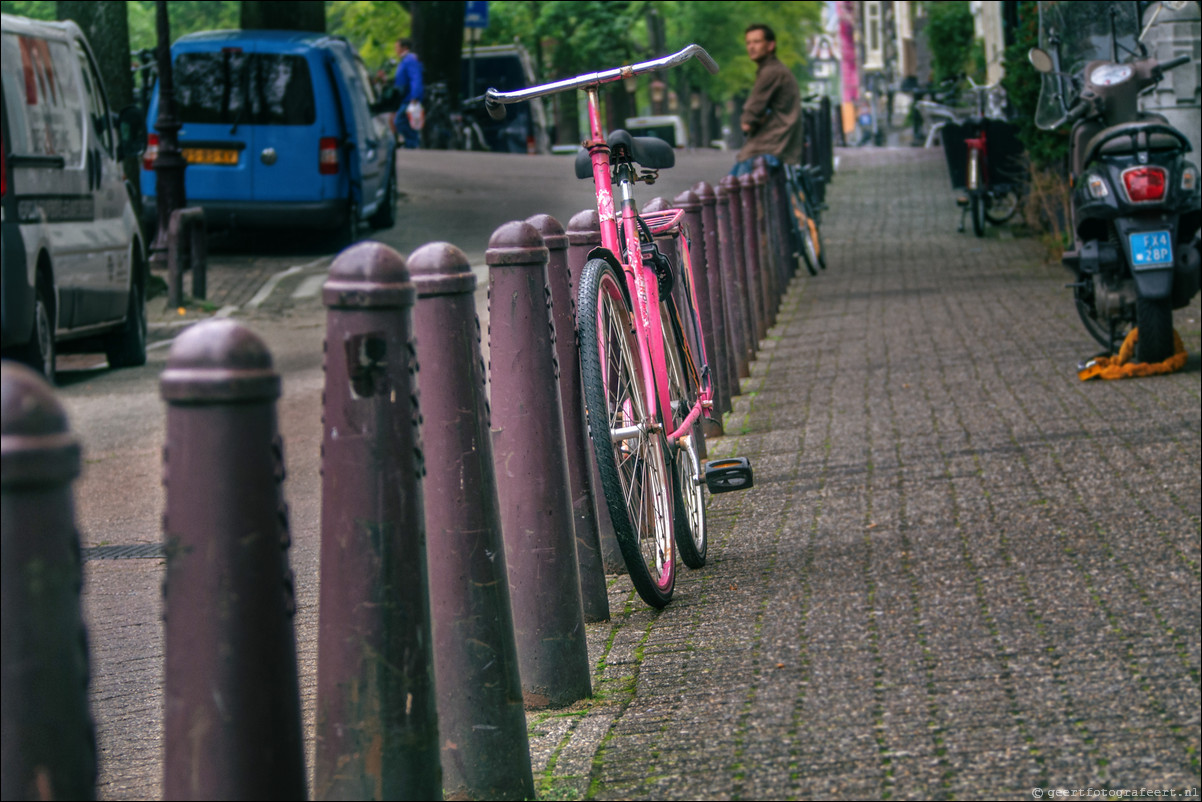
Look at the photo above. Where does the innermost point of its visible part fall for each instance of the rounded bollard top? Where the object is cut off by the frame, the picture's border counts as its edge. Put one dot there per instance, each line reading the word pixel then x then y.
pixel 36 445
pixel 584 228
pixel 368 275
pixel 759 171
pixel 219 361
pixel 705 192
pixel 729 183
pixel 688 201
pixel 657 204
pixel 439 268
pixel 552 232
pixel 516 243
pixel 746 180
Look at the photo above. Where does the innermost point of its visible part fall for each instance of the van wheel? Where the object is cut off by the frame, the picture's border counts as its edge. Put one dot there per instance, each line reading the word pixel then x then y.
pixel 385 216
pixel 126 347
pixel 39 352
pixel 348 229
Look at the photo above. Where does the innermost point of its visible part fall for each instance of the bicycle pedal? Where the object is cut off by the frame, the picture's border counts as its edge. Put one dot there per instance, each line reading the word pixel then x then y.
pixel 727 475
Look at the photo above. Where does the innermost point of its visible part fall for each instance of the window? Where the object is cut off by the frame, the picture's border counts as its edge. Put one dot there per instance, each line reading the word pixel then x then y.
pixel 233 87
pixel 102 127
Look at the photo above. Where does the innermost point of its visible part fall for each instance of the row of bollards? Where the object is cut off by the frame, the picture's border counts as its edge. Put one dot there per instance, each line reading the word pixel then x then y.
pixel 463 548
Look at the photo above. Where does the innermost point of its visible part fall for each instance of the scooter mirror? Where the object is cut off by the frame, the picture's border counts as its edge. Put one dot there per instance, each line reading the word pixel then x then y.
pixel 1040 60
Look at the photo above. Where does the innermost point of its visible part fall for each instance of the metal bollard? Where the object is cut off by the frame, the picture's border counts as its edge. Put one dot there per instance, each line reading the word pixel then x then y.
pixel 780 219
pixel 584 234
pixel 720 357
pixel 594 595
pixel 49 744
pixel 231 719
pixel 751 250
pixel 481 719
pixel 530 459
pixel 186 227
pixel 736 281
pixel 767 249
pixel 377 733
pixel 691 204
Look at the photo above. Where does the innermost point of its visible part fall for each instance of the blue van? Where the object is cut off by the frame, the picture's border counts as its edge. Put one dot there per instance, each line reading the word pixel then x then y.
pixel 279 129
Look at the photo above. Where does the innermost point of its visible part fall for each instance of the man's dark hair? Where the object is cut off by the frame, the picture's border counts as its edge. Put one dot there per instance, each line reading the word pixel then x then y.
pixel 405 42
pixel 769 35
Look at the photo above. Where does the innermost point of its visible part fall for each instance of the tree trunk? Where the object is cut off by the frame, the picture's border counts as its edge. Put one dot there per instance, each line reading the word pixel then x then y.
pixel 437 33
pixel 106 25
pixel 286 15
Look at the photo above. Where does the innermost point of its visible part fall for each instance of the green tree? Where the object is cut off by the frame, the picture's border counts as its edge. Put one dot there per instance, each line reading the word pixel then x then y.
pixel 288 15
pixel 949 32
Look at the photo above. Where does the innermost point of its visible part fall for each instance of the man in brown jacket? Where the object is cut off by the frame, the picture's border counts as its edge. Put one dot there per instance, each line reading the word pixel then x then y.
pixel 771 118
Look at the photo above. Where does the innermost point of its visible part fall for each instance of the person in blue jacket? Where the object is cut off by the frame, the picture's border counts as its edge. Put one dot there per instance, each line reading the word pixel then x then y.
pixel 409 83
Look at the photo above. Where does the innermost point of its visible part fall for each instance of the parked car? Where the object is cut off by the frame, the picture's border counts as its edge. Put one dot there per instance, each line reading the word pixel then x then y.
pixel 74 263
pixel 506 67
pixel 279 129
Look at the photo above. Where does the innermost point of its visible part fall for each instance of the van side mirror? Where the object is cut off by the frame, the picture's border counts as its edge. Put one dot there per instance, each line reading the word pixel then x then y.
pixel 131 132
pixel 1040 60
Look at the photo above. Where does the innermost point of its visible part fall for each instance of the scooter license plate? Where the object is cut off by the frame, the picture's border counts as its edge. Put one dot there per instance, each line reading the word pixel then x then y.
pixel 1150 249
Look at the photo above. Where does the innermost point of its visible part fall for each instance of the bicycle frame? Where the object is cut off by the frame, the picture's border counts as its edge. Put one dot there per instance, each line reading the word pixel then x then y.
pixel 620 241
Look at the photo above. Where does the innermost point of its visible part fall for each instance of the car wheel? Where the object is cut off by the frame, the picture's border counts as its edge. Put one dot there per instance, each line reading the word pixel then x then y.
pixel 385 216
pixel 126 347
pixel 344 235
pixel 39 353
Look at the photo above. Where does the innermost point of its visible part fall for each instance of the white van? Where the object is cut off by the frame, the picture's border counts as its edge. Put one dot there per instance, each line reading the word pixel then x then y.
pixel 74 267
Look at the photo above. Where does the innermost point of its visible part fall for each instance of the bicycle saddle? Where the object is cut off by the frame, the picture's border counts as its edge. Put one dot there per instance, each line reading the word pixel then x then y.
pixel 646 151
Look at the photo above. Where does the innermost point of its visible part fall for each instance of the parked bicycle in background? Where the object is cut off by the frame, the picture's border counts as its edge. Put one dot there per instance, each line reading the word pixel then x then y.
pixel 647 382
pixel 985 160
pixel 450 128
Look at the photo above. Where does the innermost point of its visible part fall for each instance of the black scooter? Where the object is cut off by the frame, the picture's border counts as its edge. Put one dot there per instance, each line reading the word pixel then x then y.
pixel 1136 253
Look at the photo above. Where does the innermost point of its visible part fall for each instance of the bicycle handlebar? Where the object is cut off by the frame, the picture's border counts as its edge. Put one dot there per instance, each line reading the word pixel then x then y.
pixel 495 100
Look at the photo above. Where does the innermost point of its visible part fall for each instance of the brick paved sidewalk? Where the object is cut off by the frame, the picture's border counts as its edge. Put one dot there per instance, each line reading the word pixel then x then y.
pixel 961 573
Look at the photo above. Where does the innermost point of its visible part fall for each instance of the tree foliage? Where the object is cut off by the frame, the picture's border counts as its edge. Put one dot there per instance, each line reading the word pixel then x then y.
pixel 949 33
pixel 1047 149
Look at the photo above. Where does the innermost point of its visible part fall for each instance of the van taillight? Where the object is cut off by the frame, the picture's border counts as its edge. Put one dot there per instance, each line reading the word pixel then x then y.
pixel 151 153
pixel 327 158
pixel 530 147
pixel 1144 184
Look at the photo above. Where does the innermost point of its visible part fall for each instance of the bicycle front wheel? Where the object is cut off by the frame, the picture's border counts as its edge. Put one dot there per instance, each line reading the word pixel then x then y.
pixel 688 486
pixel 627 439
pixel 1001 206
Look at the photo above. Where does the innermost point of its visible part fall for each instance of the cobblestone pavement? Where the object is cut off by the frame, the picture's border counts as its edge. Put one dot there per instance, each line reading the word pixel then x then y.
pixel 962 573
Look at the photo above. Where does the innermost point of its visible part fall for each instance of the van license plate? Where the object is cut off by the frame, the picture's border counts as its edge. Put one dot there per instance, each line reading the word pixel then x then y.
pixel 210 156
pixel 1150 249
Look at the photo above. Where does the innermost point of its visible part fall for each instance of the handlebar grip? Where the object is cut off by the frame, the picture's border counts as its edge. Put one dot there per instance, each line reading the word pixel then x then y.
pixel 1077 112
pixel 1174 63
pixel 495 110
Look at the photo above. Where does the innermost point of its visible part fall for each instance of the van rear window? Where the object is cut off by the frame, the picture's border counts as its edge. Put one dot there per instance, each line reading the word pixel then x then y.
pixel 237 88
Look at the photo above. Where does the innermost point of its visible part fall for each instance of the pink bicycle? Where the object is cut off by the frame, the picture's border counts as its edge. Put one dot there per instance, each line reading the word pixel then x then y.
pixel 646 379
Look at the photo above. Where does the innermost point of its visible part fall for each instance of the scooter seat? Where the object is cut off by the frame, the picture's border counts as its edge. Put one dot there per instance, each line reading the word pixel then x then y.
pixel 1133 137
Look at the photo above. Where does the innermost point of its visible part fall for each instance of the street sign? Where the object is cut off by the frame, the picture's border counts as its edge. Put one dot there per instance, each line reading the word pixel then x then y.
pixel 475 15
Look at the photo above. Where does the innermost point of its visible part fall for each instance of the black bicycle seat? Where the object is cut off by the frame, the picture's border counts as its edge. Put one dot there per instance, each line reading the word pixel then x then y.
pixel 646 151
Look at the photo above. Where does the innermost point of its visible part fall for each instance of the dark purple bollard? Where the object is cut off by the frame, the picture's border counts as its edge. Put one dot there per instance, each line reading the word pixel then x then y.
pixel 594 595
pixel 377 729
pixel 751 257
pixel 720 357
pixel 780 219
pixel 694 229
pixel 531 470
pixel 769 250
pixel 739 311
pixel 49 744
pixel 584 235
pixel 231 719
pixel 481 718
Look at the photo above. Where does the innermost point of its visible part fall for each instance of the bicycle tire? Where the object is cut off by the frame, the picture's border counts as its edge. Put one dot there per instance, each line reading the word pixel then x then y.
pixel 633 471
pixel 688 491
pixel 1001 207
pixel 977 209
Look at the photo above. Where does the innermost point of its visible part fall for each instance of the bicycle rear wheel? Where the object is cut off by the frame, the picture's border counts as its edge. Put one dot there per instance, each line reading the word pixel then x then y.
pixel 627 439
pixel 688 486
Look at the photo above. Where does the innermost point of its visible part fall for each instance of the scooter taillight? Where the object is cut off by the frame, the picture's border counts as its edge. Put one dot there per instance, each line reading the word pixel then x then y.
pixel 1144 184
